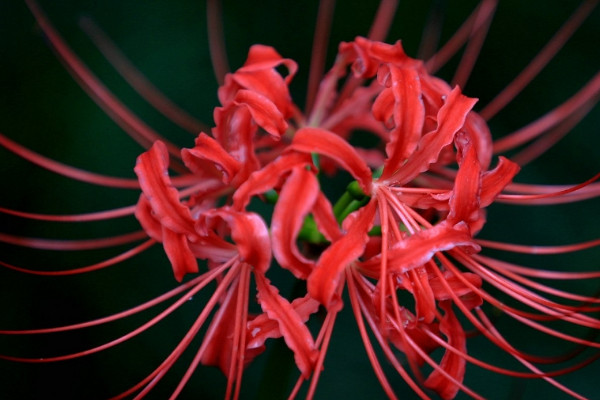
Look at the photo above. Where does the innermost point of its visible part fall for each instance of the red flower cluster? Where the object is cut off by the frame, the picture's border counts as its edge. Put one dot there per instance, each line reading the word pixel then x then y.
pixel 399 244
pixel 396 233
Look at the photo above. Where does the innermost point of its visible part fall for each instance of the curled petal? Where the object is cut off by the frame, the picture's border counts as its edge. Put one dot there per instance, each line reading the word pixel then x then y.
pixel 324 280
pixel 220 334
pixel 207 155
pixel 213 248
pixel 369 55
pixel 325 218
pixel 452 363
pixel 259 75
pixel 268 178
pixel 494 181
pixel 295 201
pixel 143 213
pixel 458 287
pixel 235 131
pixel 321 141
pixel 152 172
pixel 261 57
pixel 464 201
pixel 408 115
pixel 480 133
pixel 416 250
pixel 263 111
pixel 262 327
pixel 291 325
pixel 450 120
pixel 178 251
pixel 249 232
pixel 383 108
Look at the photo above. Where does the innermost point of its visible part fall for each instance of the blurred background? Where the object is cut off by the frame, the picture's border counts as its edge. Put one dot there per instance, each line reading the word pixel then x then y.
pixel 44 109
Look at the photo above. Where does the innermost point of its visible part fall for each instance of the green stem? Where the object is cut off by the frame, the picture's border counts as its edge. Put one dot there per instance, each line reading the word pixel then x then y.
pixel 343 203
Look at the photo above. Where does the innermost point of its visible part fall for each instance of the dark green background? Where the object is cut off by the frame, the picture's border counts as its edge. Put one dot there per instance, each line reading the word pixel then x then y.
pixel 43 108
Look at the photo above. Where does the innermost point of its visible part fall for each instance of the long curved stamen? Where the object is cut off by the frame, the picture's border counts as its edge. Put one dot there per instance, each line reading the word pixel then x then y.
pixel 476 40
pixel 363 284
pixel 383 274
pixel 89 268
pixel 543 143
pixel 322 343
pixel 498 266
pixel 113 107
pixel 589 93
pixel 65 170
pixel 562 195
pixel 354 302
pixel 114 317
pixel 86 217
pixel 540 60
pixel 458 39
pixel 86 176
pixel 123 338
pixel 486 328
pixel 519 193
pixel 61 245
pixel 524 317
pixel 527 249
pixel 383 20
pixel 536 272
pixel 138 81
pixel 237 285
pixel 154 377
pixel 216 40
pixel 525 362
pixel 432 31
pixel 550 310
pixel 378 31
pixel 438 368
pixel 509 372
pixel 319 51
pixel 241 324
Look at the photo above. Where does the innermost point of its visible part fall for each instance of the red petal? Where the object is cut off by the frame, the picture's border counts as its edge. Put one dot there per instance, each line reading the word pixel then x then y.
pixel 259 75
pixel 179 253
pixel 450 120
pixel 324 280
pixel 369 55
pixel 213 248
pixel 250 234
pixel 143 213
pixel 325 219
pixel 295 201
pixel 152 172
pixel 262 327
pixel 416 250
pixel 458 287
pixel 235 131
pixel 452 363
pixel 219 336
pixel 409 115
pixel 479 132
pixel 267 178
pixel 207 155
pixel 464 201
pixel 321 141
pixel 262 57
pixel 264 112
pixel 295 333
pixel 494 181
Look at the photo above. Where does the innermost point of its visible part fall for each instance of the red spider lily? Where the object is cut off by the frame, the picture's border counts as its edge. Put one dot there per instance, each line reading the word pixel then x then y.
pixel 403 233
